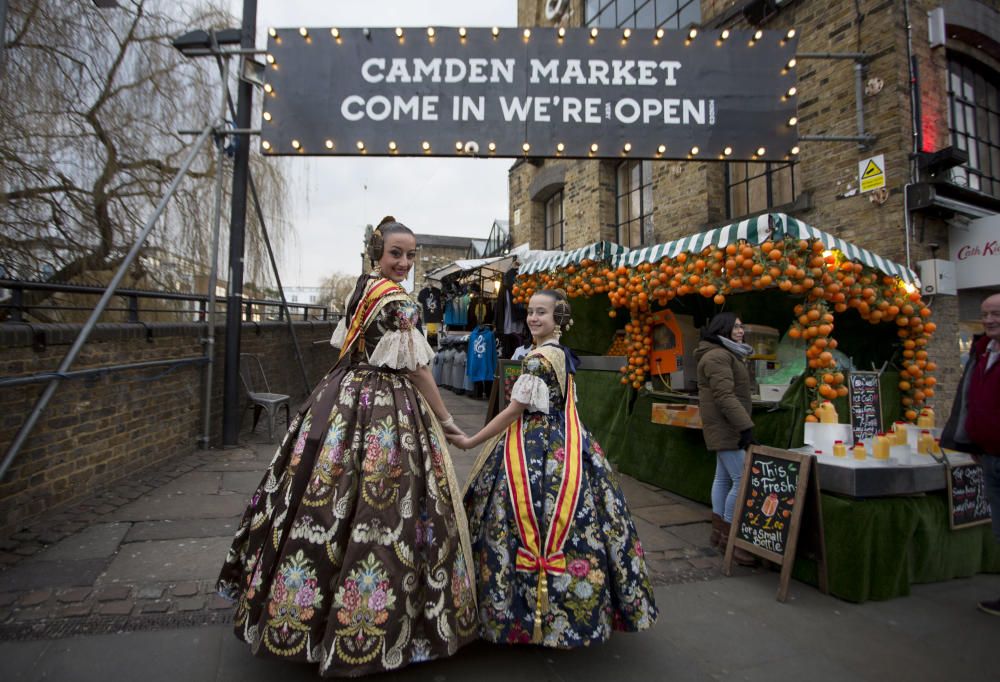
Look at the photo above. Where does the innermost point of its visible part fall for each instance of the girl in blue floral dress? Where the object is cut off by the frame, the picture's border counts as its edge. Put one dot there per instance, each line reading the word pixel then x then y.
pixel 354 551
pixel 556 554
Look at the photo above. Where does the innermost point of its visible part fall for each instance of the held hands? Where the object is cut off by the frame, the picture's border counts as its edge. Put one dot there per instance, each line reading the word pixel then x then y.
pixel 459 440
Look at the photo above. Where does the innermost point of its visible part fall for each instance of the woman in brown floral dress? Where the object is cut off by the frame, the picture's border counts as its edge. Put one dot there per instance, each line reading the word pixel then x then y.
pixel 354 550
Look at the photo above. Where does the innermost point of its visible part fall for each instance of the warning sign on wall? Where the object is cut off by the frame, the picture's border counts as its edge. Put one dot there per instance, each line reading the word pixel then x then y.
pixel 871 173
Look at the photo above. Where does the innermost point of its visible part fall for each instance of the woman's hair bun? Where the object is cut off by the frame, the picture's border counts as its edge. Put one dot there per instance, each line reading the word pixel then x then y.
pixel 387 219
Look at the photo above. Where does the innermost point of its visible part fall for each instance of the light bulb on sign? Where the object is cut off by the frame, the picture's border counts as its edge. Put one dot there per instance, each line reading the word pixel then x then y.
pixel 462 33
pixel 266 115
pixel 430 31
pixel 694 151
pixel 560 148
pixel 266 145
pixel 593 33
pixel 526 147
pixel 328 144
pixel 272 32
pixel 593 148
pixel 335 32
pixel 296 144
pixel 361 146
pixel 793 120
pixel 492 146
pixel 728 151
pixel 392 145
pixel 425 145
pixel 627 148
pixel 761 151
pixel 495 31
pixel 795 150
pixel 304 32
pixel 662 149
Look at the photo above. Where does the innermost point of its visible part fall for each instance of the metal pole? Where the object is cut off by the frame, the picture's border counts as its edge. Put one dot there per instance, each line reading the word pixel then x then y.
pixel 214 270
pixel 274 266
pixel 859 105
pixel 88 327
pixel 3 33
pixel 281 290
pixel 237 232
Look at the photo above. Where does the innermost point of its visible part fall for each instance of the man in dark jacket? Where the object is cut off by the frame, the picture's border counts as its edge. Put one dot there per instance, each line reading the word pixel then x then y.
pixel 972 425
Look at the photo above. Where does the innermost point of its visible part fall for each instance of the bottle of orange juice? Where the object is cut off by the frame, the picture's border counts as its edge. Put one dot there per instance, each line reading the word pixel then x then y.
pixel 926 418
pixel 827 413
pixel 838 449
pixel 899 433
pixel 925 443
pixel 880 446
pixel 859 450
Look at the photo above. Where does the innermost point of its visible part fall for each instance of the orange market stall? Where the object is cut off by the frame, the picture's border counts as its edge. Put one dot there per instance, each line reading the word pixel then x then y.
pixel 842 311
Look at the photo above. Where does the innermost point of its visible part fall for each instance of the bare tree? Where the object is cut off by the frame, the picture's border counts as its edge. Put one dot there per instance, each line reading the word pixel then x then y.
pixel 90 104
pixel 335 290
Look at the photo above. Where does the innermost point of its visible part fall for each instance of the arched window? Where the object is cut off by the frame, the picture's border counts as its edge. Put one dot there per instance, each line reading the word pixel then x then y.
pixel 634 203
pixel 642 13
pixel 554 222
pixel 757 186
pixel 974 121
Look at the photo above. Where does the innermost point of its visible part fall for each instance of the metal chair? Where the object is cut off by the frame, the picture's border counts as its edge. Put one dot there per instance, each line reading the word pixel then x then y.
pixel 254 379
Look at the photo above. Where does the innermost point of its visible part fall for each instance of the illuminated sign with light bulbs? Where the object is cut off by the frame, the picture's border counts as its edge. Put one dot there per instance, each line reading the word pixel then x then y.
pixel 511 92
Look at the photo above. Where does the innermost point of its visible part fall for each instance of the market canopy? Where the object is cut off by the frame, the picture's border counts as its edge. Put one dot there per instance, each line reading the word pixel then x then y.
pixel 598 251
pixel 758 230
pixel 494 264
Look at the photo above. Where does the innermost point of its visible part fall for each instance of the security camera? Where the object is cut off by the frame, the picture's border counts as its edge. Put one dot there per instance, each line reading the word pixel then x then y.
pixel 471 147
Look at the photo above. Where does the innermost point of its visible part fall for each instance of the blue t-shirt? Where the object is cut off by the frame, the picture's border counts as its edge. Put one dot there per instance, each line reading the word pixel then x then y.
pixel 482 355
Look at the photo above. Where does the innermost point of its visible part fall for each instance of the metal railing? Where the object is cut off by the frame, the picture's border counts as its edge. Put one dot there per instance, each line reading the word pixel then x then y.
pixel 254 310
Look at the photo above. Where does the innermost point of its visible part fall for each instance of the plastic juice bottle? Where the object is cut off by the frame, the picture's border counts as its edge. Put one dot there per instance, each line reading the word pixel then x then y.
pixel 925 443
pixel 859 451
pixel 827 413
pixel 899 433
pixel 937 446
pixel 838 449
pixel 880 446
pixel 926 418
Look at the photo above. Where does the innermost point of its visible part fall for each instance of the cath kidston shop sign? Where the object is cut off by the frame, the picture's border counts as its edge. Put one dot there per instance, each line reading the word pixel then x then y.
pixel 975 250
pixel 513 92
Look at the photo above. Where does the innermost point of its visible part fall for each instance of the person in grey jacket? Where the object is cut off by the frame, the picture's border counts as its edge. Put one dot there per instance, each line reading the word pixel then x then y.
pixel 724 402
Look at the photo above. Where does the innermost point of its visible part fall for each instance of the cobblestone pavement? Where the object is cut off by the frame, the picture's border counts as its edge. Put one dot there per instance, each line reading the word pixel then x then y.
pixel 144 553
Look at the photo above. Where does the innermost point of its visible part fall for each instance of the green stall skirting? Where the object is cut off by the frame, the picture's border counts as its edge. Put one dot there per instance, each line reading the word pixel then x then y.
pixel 876 548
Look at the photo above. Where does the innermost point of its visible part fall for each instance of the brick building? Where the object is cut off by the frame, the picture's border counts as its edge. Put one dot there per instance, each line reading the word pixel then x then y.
pixel 434 250
pixel 940 141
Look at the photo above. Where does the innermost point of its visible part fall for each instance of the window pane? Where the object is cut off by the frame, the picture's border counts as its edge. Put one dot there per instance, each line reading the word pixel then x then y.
pixel 738 200
pixel 591 11
pixel 781 186
pixel 646 16
pixel 690 14
pixel 757 191
pixel 635 233
pixel 665 9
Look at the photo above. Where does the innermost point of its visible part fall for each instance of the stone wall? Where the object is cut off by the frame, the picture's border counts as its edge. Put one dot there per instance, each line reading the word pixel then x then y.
pixel 105 427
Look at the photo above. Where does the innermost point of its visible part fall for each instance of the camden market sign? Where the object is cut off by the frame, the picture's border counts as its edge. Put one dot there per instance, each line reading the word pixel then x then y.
pixel 510 92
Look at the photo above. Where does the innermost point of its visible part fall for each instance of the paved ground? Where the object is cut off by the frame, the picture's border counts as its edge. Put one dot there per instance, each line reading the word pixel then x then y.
pixel 122 586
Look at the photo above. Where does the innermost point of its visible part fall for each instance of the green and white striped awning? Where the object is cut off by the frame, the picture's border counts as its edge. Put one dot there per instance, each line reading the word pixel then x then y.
pixel 597 251
pixel 758 230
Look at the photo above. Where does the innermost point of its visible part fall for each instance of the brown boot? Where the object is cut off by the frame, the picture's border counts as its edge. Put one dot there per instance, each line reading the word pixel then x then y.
pixel 716 537
pixel 740 556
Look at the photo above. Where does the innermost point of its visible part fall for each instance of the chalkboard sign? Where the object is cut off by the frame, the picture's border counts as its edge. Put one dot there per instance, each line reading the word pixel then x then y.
pixel 779 489
pixel 865 404
pixel 967 500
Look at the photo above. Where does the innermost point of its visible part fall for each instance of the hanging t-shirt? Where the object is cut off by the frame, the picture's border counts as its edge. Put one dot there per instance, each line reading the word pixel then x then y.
pixel 432 303
pixel 482 355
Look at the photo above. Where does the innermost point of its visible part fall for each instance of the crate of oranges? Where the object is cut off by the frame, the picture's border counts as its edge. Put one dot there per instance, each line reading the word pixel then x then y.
pixel 619 345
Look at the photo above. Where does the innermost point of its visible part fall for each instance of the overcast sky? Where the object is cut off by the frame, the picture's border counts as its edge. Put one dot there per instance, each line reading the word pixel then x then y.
pixel 329 203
